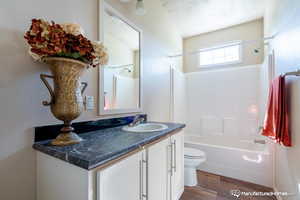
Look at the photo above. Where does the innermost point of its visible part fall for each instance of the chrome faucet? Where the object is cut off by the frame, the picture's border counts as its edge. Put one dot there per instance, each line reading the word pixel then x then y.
pixel 136 121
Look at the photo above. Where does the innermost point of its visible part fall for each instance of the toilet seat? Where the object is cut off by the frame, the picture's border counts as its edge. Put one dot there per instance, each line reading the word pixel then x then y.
pixel 192 153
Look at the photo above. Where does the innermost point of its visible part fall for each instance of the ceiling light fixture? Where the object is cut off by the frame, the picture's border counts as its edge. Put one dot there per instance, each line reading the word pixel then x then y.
pixel 140 8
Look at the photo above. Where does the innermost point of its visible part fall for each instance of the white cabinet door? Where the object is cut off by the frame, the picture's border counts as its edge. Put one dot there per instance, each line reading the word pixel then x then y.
pixel 121 181
pixel 177 183
pixel 153 174
pixel 158 177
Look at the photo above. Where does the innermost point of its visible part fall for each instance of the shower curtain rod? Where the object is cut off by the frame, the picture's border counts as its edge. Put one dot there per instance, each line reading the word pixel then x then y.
pixel 118 66
pixel 242 42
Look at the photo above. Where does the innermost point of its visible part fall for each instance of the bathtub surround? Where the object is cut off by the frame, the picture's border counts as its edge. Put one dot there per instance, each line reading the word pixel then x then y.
pixel 22 92
pixel 223 102
pixel 244 32
pixel 282 20
pixel 223 116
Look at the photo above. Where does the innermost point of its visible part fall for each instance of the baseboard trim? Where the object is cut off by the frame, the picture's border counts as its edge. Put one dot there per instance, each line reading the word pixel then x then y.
pixel 180 194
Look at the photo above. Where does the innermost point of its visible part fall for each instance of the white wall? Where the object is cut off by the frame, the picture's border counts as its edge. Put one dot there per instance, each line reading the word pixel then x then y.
pixel 244 32
pixel 282 18
pixel 21 91
pixel 223 102
pixel 120 53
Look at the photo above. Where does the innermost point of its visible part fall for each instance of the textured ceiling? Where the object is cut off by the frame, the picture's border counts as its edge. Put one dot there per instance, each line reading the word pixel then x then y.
pixel 194 17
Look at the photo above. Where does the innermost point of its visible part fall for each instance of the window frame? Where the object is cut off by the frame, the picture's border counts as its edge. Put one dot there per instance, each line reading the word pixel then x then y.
pixel 233 43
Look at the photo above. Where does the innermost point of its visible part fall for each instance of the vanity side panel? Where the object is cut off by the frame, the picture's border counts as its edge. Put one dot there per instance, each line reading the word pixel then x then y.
pixel 59 180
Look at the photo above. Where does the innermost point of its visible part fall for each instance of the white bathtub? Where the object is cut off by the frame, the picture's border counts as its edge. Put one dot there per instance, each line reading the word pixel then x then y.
pixel 239 159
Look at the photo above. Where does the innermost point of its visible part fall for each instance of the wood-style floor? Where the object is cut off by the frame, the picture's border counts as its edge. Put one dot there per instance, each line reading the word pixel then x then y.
pixel 215 187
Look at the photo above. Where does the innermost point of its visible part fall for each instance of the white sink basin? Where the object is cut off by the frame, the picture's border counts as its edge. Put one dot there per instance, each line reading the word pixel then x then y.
pixel 147 127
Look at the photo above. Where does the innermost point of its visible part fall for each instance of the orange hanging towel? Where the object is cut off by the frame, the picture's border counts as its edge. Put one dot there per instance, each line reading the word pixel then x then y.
pixel 276 125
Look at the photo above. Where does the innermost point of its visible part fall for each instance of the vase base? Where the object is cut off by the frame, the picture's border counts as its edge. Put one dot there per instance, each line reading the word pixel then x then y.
pixel 65 139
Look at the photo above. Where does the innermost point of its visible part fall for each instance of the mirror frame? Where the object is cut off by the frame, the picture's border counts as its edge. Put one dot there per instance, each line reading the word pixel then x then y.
pixel 102 7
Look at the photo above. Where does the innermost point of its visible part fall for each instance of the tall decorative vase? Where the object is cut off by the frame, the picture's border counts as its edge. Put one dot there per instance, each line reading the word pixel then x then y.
pixel 66 98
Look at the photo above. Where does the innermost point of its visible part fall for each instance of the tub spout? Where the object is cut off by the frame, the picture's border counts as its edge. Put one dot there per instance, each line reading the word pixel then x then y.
pixel 260 141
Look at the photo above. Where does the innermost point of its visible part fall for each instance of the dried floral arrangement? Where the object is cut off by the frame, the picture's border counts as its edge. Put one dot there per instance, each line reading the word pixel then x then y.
pixel 63 40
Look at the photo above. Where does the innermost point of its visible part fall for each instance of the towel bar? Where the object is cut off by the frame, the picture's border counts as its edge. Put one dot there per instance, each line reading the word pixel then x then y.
pixel 294 73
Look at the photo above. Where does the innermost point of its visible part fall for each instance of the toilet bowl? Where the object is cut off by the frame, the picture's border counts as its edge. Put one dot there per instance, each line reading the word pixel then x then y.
pixel 192 159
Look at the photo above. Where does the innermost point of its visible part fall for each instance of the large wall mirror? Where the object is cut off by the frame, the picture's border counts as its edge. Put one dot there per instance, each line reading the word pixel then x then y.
pixel 120 79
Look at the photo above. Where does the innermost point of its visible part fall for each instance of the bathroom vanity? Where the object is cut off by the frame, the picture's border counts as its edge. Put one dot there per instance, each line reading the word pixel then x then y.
pixel 113 164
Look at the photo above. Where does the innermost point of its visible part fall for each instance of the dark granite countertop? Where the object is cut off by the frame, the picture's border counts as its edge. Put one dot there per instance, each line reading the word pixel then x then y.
pixel 101 146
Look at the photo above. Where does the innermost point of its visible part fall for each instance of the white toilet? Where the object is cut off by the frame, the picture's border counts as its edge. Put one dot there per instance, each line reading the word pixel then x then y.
pixel 192 159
